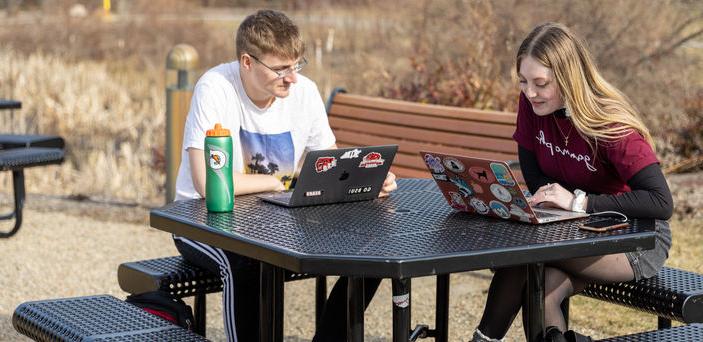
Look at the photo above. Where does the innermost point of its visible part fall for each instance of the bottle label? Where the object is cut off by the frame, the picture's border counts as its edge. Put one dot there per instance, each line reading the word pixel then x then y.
pixel 217 159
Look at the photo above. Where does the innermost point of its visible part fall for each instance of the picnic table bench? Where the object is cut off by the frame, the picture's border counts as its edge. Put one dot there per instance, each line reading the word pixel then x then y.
pixel 183 279
pixel 94 318
pixel 18 152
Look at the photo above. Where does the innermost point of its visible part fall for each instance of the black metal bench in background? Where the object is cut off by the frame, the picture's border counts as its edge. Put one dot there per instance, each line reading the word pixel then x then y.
pixel 20 151
pixel 16 160
pixel 94 318
pixel 183 279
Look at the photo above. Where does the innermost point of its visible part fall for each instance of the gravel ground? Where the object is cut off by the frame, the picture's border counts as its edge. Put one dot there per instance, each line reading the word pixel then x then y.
pixel 68 248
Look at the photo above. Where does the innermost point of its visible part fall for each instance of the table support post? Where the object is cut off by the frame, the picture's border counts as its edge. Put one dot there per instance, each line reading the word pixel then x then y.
pixel 271 304
pixel 401 309
pixel 320 299
pixel 535 302
pixel 442 314
pixel 355 309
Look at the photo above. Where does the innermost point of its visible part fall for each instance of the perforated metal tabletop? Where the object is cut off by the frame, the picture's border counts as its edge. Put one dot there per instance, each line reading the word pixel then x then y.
pixel 412 233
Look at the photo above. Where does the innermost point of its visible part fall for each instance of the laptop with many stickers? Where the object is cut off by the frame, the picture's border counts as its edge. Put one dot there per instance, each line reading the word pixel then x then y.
pixel 339 175
pixel 487 187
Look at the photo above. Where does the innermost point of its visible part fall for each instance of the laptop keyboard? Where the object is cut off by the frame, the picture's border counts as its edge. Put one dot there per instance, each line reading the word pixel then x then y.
pixel 283 196
pixel 542 214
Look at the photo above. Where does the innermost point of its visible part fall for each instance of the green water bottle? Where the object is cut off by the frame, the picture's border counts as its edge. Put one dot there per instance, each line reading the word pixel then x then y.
pixel 219 189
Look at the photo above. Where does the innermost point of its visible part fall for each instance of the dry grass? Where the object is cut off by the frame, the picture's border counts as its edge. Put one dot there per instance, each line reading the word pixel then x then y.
pixel 111 122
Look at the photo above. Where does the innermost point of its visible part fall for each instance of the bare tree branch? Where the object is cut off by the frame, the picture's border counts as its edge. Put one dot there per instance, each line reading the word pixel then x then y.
pixel 658 53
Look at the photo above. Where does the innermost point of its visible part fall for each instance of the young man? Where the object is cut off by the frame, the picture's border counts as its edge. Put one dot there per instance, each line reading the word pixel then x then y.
pixel 274 115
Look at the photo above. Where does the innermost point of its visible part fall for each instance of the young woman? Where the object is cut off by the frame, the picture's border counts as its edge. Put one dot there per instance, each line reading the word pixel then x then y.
pixel 582 147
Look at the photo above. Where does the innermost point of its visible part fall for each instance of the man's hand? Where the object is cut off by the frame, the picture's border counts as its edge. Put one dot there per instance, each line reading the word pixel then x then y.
pixel 389 185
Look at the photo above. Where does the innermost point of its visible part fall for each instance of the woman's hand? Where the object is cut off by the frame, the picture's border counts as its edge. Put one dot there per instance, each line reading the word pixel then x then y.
pixel 552 195
pixel 389 185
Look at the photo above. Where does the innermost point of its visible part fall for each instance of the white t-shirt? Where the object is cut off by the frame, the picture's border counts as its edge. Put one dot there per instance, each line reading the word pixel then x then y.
pixel 264 141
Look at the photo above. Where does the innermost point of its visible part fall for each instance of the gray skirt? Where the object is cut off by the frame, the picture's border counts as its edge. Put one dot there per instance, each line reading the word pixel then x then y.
pixel 646 263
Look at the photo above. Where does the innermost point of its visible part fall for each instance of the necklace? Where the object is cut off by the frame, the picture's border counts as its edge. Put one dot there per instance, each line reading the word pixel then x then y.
pixel 566 137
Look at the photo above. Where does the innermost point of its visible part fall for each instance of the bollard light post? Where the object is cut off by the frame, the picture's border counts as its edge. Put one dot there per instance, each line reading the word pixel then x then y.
pixel 181 64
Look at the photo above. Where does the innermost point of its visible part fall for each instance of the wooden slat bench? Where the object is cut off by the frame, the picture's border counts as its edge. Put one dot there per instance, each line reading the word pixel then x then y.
pixel 94 318
pixel 183 279
pixel 364 120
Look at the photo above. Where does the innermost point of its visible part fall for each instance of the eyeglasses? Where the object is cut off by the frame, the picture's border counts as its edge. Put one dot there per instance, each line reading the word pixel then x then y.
pixel 287 71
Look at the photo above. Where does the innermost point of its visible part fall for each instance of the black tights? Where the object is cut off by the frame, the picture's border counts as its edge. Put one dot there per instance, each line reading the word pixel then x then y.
pixel 562 280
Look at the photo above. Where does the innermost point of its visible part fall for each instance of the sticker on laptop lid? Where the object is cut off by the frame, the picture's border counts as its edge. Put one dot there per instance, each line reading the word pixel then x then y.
pixel 481 174
pixel 520 202
pixel 477 188
pixel 358 190
pixel 464 189
pixel 441 176
pixel 479 205
pixel 324 164
pixel 521 214
pixel 457 201
pixel 501 193
pixel 371 160
pixel 453 164
pixel 434 163
pixel 502 174
pixel 351 154
pixel 499 209
pixel 313 193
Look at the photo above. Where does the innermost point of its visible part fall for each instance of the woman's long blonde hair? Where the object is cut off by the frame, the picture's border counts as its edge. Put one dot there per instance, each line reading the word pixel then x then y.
pixel 598 110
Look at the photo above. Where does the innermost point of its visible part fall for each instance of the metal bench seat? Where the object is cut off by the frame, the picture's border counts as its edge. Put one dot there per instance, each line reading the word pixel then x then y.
pixel 16 160
pixel 8 141
pixel 692 332
pixel 672 294
pixel 94 318
pixel 22 158
pixel 183 279
pixel 10 104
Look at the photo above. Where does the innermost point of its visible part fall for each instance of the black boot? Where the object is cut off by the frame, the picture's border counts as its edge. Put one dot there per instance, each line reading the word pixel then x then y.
pixel 553 334
pixel 572 336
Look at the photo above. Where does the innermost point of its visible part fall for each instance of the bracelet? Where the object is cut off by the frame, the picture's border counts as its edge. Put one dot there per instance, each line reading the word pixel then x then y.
pixel 577 203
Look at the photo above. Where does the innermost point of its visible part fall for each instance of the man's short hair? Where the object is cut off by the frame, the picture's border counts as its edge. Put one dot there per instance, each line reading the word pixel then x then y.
pixel 269 32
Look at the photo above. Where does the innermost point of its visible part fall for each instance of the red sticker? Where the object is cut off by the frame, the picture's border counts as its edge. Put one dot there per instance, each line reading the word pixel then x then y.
pixel 323 164
pixel 481 174
pixel 371 160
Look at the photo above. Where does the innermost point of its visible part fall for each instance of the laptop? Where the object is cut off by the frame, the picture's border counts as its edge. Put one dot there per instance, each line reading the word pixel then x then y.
pixel 336 176
pixel 487 187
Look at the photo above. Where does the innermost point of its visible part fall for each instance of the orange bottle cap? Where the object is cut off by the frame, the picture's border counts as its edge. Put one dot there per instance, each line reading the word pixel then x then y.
pixel 218 131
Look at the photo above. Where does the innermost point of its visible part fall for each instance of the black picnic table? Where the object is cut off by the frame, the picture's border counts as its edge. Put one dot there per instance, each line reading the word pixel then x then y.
pixel 20 151
pixel 10 104
pixel 412 233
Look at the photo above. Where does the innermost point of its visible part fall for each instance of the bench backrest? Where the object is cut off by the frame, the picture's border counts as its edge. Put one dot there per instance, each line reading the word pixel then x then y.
pixel 364 120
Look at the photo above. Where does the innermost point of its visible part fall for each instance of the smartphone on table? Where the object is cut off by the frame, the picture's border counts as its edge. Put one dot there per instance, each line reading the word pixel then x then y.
pixel 604 224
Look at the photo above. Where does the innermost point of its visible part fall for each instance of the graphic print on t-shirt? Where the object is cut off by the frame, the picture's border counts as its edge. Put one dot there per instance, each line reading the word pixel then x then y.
pixel 268 154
